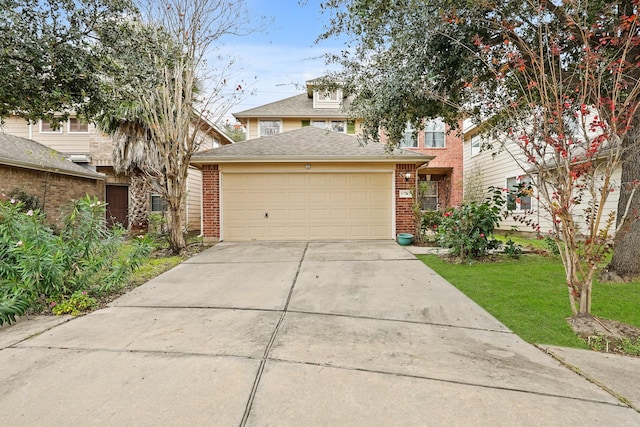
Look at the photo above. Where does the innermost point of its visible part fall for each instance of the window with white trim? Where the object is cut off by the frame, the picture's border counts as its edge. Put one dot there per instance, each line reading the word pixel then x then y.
pixel 339 126
pixel 269 127
pixel 322 124
pixel 409 138
pixel 520 191
pixel 434 134
pixel 476 145
pixel 429 195
pixel 75 125
pixel 47 127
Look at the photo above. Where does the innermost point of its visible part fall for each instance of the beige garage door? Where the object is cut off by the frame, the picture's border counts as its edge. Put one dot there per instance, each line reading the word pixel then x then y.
pixel 306 206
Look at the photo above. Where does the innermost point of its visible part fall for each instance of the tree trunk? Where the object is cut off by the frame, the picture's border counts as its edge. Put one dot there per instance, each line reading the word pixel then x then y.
pixel 139 191
pixel 626 249
pixel 177 243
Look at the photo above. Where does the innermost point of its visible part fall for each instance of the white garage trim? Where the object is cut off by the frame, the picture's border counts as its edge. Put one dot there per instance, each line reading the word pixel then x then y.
pixel 365 210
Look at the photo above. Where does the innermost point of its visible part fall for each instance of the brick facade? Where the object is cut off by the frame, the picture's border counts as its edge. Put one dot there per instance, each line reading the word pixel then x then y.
pixel 448 159
pixel 446 167
pixel 405 221
pixel 211 203
pixel 54 190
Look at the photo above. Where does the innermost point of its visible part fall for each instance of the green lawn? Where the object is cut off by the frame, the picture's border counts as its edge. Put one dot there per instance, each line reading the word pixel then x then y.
pixel 528 295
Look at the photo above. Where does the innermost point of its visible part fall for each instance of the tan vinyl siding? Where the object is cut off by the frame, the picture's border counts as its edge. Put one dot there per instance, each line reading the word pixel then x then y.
pixel 194 199
pixel 495 171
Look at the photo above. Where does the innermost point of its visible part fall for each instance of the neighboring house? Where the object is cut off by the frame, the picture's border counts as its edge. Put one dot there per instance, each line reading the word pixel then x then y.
pixel 28 166
pixel 323 109
pixel 485 168
pixel 84 144
pixel 307 184
pixel 327 110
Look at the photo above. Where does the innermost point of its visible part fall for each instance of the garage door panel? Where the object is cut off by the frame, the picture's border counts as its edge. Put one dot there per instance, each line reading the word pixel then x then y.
pixel 297 196
pixel 307 206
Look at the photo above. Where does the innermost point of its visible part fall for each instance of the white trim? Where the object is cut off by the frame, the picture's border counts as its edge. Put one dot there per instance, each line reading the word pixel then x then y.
pixel 88 131
pixel 220 212
pixel 394 220
pixel 269 120
pixel 52 132
pixel 389 172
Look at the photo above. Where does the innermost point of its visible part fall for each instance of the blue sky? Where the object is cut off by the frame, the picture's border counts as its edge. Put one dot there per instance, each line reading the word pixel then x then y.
pixel 276 63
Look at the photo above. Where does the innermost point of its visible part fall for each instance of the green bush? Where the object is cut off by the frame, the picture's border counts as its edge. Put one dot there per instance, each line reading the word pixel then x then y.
pixel 468 229
pixel 430 221
pixel 36 264
pixel 74 305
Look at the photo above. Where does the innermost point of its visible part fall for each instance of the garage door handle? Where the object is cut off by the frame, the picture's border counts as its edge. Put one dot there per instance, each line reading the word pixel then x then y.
pixel 266 214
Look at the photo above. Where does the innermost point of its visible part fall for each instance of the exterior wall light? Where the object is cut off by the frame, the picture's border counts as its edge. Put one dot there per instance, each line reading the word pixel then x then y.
pixel 407 176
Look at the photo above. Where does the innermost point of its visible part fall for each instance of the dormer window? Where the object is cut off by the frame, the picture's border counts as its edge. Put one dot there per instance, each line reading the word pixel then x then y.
pixel 327 98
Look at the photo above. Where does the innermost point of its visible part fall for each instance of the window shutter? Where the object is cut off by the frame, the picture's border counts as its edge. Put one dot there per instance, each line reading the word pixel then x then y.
pixel 306 123
pixel 351 127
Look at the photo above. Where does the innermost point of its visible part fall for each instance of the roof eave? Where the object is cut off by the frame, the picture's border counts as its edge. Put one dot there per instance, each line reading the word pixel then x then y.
pixel 25 165
pixel 311 159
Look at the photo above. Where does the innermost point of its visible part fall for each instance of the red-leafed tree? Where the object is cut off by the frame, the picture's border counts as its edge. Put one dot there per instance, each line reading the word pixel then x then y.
pixel 555 84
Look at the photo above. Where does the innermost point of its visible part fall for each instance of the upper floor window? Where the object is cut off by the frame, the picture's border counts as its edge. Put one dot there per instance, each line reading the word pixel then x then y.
pixel 322 124
pixel 339 126
pixel 77 126
pixel 327 98
pixel 476 145
pixel 409 138
pixel 269 127
pixel 434 134
pixel 47 126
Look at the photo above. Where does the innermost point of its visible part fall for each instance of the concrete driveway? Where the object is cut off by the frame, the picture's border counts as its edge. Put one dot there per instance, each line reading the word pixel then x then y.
pixel 294 334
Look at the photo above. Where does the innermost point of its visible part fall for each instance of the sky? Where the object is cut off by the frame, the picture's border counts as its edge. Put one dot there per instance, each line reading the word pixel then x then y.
pixel 274 64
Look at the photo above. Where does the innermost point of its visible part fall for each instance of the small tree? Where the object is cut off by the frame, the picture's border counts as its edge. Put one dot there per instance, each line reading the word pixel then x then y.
pixel 159 114
pixel 556 83
pixel 566 121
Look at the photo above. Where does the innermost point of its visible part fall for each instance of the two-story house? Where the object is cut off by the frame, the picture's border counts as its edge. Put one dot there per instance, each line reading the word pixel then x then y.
pixel 328 110
pixel 84 144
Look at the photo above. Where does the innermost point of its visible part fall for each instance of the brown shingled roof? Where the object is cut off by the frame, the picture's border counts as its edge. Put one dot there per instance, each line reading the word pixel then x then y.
pixel 298 106
pixel 29 154
pixel 306 144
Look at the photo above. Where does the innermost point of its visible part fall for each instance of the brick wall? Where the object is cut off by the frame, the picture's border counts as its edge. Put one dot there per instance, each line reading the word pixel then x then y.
pixel 211 203
pixel 448 161
pixel 405 221
pixel 449 157
pixel 53 190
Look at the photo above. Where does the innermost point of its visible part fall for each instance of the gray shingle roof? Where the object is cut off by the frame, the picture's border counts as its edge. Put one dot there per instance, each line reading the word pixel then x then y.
pixel 306 144
pixel 26 153
pixel 298 106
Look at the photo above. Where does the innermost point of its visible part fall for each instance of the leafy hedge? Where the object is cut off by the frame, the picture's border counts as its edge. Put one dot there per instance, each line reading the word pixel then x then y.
pixel 38 265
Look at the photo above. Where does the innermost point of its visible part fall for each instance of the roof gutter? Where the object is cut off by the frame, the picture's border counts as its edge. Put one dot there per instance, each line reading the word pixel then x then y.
pixel 25 165
pixel 297 159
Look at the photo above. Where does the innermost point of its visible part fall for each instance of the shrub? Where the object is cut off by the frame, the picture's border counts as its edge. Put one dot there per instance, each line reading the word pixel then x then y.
pixel 74 305
pixel 512 249
pixel 430 221
pixel 468 229
pixel 36 264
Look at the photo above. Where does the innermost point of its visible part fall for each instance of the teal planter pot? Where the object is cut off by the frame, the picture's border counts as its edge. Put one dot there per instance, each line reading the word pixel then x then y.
pixel 405 239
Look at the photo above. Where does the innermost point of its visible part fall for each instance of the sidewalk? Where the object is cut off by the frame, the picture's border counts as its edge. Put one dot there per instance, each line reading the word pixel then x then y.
pixel 290 334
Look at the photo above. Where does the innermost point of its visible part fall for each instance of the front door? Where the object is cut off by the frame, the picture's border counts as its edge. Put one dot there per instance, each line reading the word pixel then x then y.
pixel 117 204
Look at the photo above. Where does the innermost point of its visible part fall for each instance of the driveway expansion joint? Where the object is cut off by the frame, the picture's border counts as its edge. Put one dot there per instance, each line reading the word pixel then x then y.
pixel 413 322
pixel 442 380
pixel 623 400
pixel 265 357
